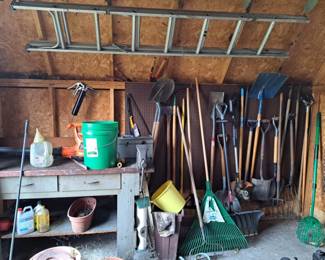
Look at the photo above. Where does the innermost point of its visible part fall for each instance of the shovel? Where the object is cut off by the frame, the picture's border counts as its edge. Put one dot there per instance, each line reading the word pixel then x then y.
pixel 262 187
pixel 266 86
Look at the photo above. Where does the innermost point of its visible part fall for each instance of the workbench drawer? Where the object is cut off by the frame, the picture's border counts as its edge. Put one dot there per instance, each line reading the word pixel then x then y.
pixel 89 182
pixel 29 184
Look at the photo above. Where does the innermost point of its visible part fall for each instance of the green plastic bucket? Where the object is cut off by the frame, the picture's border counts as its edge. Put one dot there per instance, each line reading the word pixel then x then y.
pixel 100 141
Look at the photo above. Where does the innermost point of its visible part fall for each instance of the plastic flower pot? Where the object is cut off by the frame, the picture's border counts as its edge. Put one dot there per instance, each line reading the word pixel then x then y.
pixel 81 213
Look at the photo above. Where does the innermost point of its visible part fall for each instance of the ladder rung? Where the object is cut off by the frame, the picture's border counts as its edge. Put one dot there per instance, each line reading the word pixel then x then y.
pixel 60 34
pixel 235 36
pixel 203 35
pixel 135 32
pixel 97 30
pixel 66 28
pixel 265 38
pixel 170 33
pixel 57 44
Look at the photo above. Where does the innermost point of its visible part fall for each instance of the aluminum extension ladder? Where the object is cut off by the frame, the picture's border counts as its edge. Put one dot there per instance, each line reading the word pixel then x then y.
pixel 64 42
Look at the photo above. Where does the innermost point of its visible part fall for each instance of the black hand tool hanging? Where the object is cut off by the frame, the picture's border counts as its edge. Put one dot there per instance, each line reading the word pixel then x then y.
pixel 80 90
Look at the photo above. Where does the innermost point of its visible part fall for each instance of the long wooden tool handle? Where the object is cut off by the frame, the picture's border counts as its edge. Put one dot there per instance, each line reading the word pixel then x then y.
pixel 241 132
pixel 213 147
pixel 286 120
pixel 292 152
pixel 278 175
pixel 257 133
pixel 275 155
pixel 174 142
pixel 299 195
pixel 212 155
pixel 223 166
pixel 188 115
pixel 305 154
pixel 182 149
pixel 190 166
pixel 256 138
pixel 249 148
pixel 202 131
pixel 169 155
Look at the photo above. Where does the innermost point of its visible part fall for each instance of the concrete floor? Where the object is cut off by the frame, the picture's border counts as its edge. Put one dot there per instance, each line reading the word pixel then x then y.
pixel 276 240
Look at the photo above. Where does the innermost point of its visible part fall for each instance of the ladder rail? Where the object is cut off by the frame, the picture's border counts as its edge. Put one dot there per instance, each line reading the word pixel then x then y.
pixel 235 36
pixel 59 28
pixel 57 44
pixel 135 32
pixel 203 35
pixel 177 13
pixel 97 31
pixel 119 49
pixel 265 38
pixel 66 28
pixel 170 34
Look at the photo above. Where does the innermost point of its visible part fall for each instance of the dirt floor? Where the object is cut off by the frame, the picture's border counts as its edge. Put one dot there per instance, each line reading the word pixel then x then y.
pixel 275 240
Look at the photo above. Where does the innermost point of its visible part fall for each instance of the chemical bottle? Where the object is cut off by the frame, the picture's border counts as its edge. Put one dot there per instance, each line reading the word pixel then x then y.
pixel 41 151
pixel 42 218
pixel 25 220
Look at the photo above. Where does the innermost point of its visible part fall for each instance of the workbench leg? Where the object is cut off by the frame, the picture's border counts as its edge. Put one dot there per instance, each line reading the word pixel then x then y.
pixel 126 236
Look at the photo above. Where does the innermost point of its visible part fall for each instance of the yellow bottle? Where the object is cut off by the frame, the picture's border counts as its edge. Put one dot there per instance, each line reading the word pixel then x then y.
pixel 42 219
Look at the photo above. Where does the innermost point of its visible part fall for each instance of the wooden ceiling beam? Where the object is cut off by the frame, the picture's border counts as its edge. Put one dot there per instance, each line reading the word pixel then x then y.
pixel 62 84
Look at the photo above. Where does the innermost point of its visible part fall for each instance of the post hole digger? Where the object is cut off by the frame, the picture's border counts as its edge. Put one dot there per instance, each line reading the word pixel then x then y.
pixel 216 235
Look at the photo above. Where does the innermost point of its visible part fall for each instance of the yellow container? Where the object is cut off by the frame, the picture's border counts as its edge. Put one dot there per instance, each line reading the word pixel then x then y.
pixel 168 198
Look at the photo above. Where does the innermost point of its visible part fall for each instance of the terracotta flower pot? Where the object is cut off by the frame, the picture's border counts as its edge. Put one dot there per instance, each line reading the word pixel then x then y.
pixel 81 213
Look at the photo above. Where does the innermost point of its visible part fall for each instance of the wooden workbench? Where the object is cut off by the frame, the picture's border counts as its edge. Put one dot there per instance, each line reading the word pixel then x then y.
pixel 67 179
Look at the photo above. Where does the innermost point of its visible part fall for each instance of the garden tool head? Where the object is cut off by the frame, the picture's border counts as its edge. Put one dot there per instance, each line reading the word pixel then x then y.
pixel 216 98
pixel 162 90
pixel 267 85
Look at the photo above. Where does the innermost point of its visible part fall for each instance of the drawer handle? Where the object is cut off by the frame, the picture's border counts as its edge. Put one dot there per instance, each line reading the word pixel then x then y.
pixel 28 185
pixel 93 182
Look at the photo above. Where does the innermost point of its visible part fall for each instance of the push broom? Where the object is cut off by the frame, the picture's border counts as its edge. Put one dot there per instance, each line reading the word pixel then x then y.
pixel 219 232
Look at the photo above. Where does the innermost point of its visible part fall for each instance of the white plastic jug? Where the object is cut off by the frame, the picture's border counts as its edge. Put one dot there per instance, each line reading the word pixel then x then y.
pixel 41 152
pixel 25 220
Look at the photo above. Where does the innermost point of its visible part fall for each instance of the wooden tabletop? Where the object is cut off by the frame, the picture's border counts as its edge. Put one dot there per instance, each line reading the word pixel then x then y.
pixel 11 168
